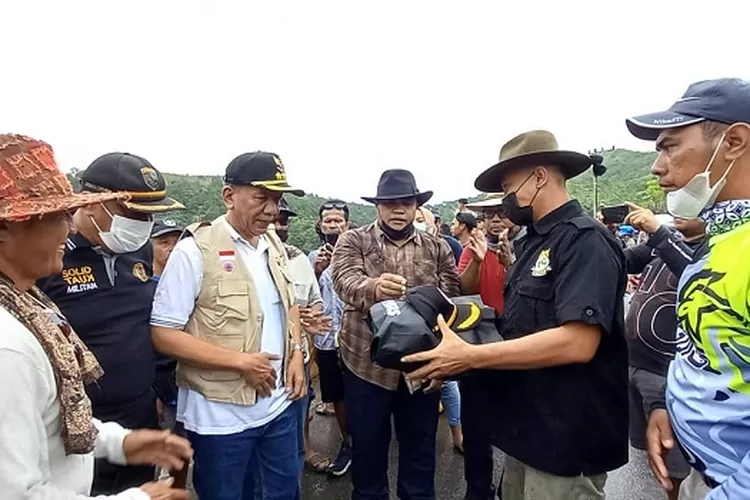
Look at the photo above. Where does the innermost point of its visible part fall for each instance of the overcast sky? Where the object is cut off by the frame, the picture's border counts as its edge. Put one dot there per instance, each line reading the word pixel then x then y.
pixel 344 90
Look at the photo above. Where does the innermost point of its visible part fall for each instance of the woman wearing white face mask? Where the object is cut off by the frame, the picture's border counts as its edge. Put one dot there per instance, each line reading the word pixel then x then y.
pixel 105 291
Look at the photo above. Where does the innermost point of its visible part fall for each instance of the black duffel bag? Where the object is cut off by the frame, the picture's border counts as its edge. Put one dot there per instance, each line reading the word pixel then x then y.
pixel 409 325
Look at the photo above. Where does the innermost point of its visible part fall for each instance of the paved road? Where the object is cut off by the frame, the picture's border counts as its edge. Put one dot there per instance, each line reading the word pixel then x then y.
pixel 632 482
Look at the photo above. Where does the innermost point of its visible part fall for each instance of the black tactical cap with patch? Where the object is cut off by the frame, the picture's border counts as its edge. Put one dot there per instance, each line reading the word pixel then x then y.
pixel 260 169
pixel 125 172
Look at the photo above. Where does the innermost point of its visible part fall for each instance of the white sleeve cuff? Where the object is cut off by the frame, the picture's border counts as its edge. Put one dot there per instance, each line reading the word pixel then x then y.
pixel 109 442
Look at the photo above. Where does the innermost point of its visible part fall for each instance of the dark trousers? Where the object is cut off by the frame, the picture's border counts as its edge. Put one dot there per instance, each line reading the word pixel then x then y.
pixel 369 411
pixel 139 413
pixel 478 457
pixel 262 462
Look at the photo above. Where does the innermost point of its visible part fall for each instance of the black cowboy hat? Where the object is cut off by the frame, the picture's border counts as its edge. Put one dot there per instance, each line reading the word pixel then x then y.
pixel 398 184
pixel 537 147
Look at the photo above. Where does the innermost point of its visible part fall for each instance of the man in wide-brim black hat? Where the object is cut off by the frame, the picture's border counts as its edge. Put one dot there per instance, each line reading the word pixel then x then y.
pixel 558 403
pixel 373 264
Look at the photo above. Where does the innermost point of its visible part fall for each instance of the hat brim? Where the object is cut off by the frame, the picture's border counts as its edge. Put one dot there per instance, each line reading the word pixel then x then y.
pixel 153 206
pixel 167 230
pixel 422 198
pixel 571 164
pixel 648 127
pixel 278 187
pixel 287 212
pixel 490 203
pixel 18 211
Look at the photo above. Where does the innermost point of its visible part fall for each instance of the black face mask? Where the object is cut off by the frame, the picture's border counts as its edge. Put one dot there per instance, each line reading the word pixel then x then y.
pixel 518 215
pixel 399 235
pixel 330 238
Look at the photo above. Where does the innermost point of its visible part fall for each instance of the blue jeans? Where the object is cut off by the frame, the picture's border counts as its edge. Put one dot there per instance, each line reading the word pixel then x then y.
pixel 415 416
pixel 228 467
pixel 451 399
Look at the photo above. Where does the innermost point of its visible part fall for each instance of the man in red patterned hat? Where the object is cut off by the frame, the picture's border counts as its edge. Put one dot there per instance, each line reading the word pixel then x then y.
pixel 49 435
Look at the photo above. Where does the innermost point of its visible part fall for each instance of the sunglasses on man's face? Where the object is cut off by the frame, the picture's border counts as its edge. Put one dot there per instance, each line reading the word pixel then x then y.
pixel 491 214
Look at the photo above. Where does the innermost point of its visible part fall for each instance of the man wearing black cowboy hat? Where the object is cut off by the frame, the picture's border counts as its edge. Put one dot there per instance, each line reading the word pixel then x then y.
pixel 371 264
pixel 558 402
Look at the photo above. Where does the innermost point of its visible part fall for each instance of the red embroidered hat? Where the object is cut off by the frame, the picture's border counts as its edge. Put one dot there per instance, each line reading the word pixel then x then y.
pixel 32 184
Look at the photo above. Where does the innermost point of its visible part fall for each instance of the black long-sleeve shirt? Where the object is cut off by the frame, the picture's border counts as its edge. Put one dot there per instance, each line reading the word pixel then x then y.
pixel 651 321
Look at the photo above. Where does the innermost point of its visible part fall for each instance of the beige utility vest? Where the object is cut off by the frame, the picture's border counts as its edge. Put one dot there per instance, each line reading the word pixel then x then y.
pixel 227 311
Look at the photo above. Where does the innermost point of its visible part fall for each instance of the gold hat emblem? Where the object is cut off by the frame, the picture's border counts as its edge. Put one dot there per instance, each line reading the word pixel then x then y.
pixel 280 174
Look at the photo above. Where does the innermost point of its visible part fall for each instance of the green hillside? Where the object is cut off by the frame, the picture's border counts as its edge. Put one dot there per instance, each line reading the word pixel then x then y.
pixel 627 178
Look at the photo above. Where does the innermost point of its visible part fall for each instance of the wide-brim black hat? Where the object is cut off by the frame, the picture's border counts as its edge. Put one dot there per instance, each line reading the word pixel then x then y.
pixel 398 184
pixel 534 148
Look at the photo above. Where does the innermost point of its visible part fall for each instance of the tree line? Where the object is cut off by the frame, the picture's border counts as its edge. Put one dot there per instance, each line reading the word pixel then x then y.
pixel 627 179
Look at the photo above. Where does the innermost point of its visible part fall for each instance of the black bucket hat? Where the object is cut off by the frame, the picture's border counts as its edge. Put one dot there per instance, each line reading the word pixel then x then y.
pixel 398 184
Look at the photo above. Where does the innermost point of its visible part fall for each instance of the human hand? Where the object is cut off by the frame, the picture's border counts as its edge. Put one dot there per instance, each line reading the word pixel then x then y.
pixel 505 253
pixel 296 381
pixel 323 259
pixel 478 246
pixel 641 218
pixel 450 357
pixel 314 322
pixel 257 369
pixel 162 490
pixel 389 286
pixel 435 385
pixel 660 440
pixel 160 448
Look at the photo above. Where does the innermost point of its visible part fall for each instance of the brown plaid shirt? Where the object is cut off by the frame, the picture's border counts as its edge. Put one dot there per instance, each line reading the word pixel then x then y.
pixel 361 256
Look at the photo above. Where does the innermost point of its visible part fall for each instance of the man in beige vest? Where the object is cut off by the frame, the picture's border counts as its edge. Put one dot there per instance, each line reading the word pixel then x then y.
pixel 224 308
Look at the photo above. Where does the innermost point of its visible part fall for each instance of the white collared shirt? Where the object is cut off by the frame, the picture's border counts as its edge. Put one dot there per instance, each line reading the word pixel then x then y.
pixel 174 302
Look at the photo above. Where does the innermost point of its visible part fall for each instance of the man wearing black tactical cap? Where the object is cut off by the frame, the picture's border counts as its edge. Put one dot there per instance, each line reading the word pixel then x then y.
pixel 105 290
pixel 557 387
pixel 225 309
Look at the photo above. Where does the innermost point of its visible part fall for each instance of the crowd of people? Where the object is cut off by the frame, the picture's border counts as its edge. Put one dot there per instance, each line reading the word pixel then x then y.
pixel 136 352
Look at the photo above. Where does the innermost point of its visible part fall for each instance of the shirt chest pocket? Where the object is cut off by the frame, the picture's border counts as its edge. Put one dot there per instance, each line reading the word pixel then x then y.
pixel 537 302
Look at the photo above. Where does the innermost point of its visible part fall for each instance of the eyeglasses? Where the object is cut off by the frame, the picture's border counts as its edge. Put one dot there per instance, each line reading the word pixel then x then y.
pixel 331 205
pixel 490 214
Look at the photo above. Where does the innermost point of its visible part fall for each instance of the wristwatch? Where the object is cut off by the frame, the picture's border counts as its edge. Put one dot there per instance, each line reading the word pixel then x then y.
pixel 297 347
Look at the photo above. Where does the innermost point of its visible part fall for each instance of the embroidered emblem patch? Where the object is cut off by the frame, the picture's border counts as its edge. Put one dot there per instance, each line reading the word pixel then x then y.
pixel 139 271
pixel 150 177
pixel 226 258
pixel 280 174
pixel 542 265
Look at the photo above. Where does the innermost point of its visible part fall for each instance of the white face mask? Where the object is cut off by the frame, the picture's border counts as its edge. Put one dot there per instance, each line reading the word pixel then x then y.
pixel 420 226
pixel 125 235
pixel 690 200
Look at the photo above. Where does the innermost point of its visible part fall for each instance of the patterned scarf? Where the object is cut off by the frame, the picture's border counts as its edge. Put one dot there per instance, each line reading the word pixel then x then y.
pixel 724 216
pixel 71 361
